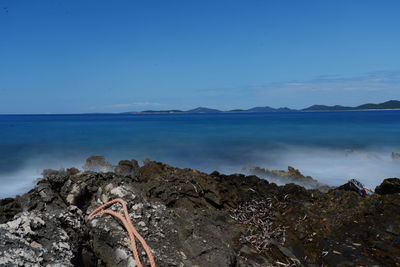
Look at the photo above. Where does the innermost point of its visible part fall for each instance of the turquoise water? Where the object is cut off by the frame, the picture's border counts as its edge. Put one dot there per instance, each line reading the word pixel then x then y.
pixel 314 142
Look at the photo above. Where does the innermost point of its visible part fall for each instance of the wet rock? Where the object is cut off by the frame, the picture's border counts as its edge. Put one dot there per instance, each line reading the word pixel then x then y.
pixel 395 156
pixel 389 186
pixel 98 164
pixel 56 178
pixel 127 168
pixel 292 175
pixel 72 171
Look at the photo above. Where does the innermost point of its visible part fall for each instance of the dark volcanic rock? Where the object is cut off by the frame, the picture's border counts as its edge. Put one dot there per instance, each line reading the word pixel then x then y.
pixel 127 168
pixel 389 186
pixel 8 208
pixel 292 175
pixel 349 186
pixel 98 164
pixel 190 218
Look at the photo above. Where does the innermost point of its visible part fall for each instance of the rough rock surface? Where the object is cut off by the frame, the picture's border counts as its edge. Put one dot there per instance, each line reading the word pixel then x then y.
pixel 389 186
pixel 292 175
pixel 190 218
pixel 98 163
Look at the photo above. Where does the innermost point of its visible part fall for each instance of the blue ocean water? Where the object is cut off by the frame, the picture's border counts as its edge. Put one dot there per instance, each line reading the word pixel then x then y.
pixel 314 142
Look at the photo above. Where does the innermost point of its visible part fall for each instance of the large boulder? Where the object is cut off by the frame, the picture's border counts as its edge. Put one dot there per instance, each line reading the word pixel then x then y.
pixel 127 168
pixel 348 187
pixel 389 186
pixel 97 164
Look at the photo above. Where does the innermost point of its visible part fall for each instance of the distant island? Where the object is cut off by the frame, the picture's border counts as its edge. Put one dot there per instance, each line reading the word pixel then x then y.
pixel 392 104
pixel 388 105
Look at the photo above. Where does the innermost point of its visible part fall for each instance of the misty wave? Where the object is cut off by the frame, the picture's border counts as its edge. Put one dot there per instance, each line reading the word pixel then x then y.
pixel 329 166
pixel 334 167
pixel 23 179
pixel 332 147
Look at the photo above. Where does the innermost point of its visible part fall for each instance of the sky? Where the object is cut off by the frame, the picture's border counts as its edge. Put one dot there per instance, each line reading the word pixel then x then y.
pixel 116 56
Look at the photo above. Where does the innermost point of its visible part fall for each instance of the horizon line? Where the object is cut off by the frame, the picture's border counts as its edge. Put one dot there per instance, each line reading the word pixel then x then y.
pixel 177 111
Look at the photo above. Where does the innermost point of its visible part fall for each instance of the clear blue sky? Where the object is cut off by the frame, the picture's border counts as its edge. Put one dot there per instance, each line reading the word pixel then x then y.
pixel 114 56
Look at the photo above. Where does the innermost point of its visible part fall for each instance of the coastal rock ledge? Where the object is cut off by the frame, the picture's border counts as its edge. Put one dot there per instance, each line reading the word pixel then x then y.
pixel 190 218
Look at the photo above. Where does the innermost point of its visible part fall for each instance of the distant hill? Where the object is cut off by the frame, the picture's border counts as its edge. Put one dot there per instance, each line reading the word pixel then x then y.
pixel 326 108
pixel 392 104
pixel 203 110
pixel 261 109
pixel 156 111
pixel 269 109
pixel 237 110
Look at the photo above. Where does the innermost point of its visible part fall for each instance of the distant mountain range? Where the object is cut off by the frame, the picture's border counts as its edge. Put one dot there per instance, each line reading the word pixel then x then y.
pixel 203 110
pixel 269 109
pixel 392 104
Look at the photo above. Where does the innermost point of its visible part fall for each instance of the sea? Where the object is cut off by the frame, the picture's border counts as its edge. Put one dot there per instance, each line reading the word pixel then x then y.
pixel 332 147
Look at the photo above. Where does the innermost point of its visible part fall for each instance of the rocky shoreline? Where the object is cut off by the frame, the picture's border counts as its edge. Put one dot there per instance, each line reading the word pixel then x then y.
pixel 190 218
